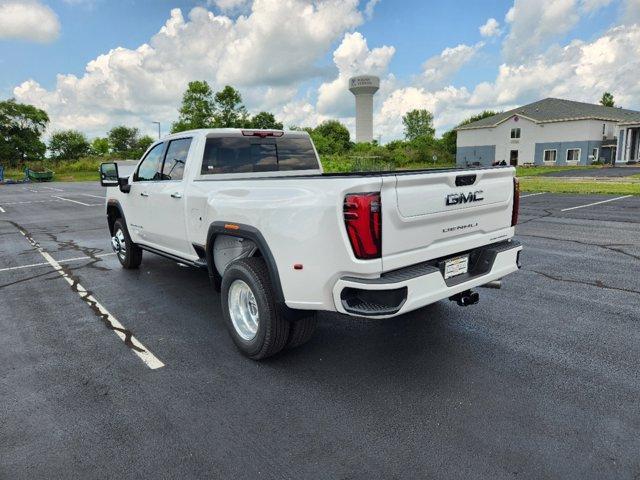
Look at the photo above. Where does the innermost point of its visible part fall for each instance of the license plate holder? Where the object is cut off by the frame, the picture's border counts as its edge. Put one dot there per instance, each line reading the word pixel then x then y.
pixel 456 266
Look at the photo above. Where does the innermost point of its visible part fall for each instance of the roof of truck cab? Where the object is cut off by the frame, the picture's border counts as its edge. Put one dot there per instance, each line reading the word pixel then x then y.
pixel 230 131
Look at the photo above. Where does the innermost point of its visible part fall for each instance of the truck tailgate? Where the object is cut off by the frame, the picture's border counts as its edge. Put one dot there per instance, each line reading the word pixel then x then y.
pixel 434 214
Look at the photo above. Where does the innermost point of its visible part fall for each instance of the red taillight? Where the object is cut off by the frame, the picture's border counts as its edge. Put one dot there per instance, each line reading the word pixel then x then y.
pixel 262 133
pixel 363 219
pixel 516 202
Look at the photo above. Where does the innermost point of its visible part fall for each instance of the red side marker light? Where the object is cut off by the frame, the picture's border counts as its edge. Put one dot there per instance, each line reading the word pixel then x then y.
pixel 297 266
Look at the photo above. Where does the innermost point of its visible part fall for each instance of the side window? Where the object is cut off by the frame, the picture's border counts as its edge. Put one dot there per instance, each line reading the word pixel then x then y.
pixel 149 169
pixel 175 159
pixel 515 133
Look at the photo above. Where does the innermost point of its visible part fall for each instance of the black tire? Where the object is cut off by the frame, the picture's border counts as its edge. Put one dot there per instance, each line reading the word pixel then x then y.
pixel 273 329
pixel 301 330
pixel 132 256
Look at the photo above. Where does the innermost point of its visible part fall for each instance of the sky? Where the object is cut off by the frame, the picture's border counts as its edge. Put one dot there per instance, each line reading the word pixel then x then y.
pixel 94 64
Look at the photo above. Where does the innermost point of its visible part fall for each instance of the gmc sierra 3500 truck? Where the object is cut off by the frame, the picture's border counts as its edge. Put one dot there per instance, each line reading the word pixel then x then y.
pixel 282 240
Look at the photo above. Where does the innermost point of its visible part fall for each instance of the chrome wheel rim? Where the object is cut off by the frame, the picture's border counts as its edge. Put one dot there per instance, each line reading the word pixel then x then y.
pixel 119 244
pixel 243 310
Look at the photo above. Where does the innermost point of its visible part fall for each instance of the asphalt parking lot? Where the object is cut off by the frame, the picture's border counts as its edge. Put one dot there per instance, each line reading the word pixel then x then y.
pixel 539 380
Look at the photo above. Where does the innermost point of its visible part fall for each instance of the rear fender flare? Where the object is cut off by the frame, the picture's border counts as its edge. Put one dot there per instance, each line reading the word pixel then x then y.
pixel 250 233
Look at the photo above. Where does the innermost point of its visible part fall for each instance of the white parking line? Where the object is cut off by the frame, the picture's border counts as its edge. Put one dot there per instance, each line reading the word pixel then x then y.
pixel 595 203
pixel 94 196
pixel 2 210
pixel 75 201
pixel 66 260
pixel 532 195
pixel 139 349
pixel 56 189
pixel 30 201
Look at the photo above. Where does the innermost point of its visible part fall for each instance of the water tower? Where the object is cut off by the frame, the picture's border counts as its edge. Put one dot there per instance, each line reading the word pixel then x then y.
pixel 364 88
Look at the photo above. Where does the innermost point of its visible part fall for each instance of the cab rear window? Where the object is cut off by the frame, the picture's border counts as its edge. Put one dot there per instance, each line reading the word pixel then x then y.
pixel 252 154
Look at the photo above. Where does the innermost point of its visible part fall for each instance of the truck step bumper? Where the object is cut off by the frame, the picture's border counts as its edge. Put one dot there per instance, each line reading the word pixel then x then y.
pixel 416 286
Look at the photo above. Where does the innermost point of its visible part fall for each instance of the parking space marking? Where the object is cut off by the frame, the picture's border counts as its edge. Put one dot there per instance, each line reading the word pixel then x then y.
pixel 595 203
pixel 30 201
pixel 112 322
pixel 66 260
pixel 94 196
pixel 56 189
pixel 75 201
pixel 532 195
pixel 2 210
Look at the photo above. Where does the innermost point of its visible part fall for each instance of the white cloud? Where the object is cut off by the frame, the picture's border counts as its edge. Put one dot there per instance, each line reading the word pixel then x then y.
pixel 352 57
pixel 28 20
pixel 590 6
pixel 631 12
pixel 229 5
pixel 579 71
pixel 370 7
pixel 254 53
pixel 440 69
pixel 491 28
pixel 535 25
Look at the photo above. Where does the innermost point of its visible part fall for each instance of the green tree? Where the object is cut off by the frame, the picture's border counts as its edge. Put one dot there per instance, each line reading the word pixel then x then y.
pixel 265 120
pixel 449 139
pixel 100 146
pixel 68 145
pixel 229 110
pixel 418 123
pixel 21 127
pixel 332 136
pixel 607 100
pixel 144 142
pixel 123 140
pixel 198 108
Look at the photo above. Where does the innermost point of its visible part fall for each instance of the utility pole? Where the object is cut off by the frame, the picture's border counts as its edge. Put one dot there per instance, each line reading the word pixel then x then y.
pixel 159 134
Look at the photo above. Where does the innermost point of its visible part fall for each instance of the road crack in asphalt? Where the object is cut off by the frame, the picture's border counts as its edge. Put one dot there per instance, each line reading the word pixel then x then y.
pixel 596 283
pixel 74 282
pixel 66 245
pixel 610 247
pixel 547 213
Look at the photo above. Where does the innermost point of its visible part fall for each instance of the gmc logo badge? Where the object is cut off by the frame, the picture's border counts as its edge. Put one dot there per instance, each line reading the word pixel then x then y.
pixel 458 198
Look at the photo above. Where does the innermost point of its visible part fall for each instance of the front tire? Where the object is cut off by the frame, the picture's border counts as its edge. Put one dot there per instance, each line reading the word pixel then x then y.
pixel 254 322
pixel 129 254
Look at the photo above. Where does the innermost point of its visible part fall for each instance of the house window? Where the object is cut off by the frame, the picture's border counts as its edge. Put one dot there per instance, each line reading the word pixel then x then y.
pixel 515 133
pixel 550 156
pixel 573 155
pixel 604 128
pixel 595 153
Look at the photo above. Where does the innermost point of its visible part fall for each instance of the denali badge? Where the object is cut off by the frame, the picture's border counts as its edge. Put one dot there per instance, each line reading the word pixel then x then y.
pixel 456 198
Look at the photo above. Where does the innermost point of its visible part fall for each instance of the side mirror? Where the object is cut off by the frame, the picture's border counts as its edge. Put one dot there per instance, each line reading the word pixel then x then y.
pixel 109 175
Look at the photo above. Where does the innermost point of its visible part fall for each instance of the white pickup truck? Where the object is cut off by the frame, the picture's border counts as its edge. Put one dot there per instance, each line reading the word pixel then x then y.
pixel 282 240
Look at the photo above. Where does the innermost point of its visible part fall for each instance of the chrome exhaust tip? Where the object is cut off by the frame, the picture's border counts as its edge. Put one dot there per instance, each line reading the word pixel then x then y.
pixel 497 284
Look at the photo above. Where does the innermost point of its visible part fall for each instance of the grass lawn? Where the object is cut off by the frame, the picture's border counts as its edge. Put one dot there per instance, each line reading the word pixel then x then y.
pixel 541 170
pixel 623 186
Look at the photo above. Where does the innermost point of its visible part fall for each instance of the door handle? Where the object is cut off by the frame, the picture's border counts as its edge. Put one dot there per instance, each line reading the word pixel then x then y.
pixel 144 194
pixel 176 195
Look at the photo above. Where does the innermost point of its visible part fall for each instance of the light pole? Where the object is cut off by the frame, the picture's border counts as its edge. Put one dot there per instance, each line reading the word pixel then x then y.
pixel 158 123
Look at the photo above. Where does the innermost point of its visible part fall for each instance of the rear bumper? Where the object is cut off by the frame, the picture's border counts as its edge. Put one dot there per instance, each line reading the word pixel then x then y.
pixel 416 286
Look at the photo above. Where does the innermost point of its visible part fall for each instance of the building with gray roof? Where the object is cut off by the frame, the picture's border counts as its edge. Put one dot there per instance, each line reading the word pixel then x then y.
pixel 551 131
